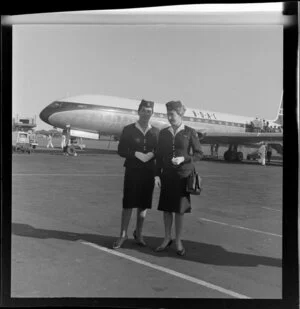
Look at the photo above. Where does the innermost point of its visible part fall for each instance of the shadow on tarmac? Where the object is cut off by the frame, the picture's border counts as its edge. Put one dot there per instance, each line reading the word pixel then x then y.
pixel 196 252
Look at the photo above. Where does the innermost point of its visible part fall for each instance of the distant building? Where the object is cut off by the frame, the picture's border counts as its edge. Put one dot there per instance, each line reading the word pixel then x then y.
pixel 23 124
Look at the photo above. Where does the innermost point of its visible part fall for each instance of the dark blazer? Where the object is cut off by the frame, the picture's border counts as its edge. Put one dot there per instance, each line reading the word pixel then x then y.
pixel 132 140
pixel 180 146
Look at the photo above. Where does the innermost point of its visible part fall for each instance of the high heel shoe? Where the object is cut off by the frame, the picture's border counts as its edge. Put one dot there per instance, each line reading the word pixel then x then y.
pixel 162 248
pixel 119 242
pixel 140 242
pixel 181 252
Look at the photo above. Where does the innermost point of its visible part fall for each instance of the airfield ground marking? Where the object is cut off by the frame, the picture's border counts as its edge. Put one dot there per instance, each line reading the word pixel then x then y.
pixel 240 227
pixel 167 270
pixel 272 209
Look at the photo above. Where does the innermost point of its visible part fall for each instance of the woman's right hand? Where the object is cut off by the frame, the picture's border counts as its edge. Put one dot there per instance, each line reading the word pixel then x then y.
pixel 157 182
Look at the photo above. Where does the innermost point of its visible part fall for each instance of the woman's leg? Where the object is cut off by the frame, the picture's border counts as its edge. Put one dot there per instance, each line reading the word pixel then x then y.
pixel 140 218
pixel 178 230
pixel 126 215
pixel 168 220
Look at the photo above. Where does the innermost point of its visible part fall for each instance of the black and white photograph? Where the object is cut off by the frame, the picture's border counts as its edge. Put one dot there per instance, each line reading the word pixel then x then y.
pixel 147 153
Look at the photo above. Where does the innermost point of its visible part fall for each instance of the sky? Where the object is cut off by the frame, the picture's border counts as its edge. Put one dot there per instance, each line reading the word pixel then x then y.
pixel 231 69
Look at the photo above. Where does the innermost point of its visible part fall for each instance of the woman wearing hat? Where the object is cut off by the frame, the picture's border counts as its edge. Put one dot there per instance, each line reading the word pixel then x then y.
pixel 137 144
pixel 174 165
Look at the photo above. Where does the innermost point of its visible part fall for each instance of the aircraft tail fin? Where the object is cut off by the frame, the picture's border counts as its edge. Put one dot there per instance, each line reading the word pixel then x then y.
pixel 279 119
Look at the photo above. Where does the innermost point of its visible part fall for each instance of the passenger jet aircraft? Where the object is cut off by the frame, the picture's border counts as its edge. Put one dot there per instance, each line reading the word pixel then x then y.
pixel 90 116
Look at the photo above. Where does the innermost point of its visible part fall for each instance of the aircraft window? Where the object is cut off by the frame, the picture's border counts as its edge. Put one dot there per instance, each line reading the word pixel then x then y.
pixel 201 114
pixel 195 114
pixel 214 115
pixel 208 115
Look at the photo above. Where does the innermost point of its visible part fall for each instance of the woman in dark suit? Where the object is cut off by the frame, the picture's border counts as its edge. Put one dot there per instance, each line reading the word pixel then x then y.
pixel 137 144
pixel 174 165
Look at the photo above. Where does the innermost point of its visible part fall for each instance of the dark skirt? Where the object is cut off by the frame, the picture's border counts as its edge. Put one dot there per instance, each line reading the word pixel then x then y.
pixel 138 188
pixel 173 195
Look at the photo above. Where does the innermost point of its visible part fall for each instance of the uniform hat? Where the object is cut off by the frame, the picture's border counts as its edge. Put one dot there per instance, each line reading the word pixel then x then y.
pixel 173 105
pixel 177 106
pixel 146 104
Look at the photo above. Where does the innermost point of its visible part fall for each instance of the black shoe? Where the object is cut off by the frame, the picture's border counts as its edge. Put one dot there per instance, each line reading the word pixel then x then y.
pixel 119 242
pixel 181 252
pixel 140 242
pixel 161 248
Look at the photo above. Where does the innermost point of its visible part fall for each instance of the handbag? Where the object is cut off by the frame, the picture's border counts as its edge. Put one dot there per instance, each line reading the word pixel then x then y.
pixel 194 183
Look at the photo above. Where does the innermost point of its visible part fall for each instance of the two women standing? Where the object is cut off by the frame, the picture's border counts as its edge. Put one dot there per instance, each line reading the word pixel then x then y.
pixel 174 163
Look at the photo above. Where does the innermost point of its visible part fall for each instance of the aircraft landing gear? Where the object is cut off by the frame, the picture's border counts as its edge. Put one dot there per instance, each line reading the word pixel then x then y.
pixel 71 151
pixel 232 154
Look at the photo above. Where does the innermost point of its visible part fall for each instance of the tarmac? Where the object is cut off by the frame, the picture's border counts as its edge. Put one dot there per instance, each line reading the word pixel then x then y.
pixel 66 215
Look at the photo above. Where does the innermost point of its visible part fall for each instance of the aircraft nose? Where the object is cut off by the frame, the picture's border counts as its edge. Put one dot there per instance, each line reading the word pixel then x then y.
pixel 48 111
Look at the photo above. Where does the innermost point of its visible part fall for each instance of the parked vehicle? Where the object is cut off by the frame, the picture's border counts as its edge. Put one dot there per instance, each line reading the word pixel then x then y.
pixel 32 140
pixel 21 142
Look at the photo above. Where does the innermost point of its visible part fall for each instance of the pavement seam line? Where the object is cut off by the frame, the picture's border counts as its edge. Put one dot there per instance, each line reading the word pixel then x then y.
pixel 168 271
pixel 240 227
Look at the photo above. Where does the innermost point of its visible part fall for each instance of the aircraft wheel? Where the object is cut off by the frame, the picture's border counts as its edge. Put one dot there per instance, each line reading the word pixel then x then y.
pixel 71 150
pixel 240 156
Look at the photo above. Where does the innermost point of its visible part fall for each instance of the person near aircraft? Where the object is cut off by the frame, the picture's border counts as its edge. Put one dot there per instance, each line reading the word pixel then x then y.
pixel 212 149
pixel 137 145
pixel 63 141
pixel 67 134
pixel 264 126
pixel 269 153
pixel 262 154
pixel 49 138
pixel 217 150
pixel 174 163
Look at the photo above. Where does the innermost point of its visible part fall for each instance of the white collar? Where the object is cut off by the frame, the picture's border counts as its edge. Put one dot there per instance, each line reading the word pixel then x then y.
pixel 137 125
pixel 180 128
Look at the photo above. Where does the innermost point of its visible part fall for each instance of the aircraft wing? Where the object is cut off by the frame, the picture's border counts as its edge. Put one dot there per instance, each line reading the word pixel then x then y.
pixel 246 138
